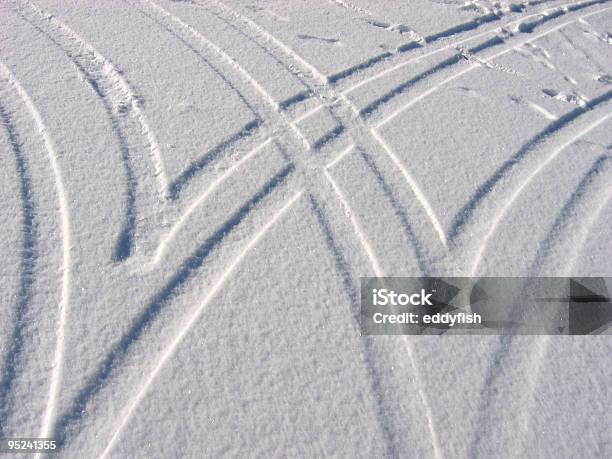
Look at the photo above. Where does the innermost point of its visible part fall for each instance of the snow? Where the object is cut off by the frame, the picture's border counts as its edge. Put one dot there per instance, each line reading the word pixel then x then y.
pixel 192 189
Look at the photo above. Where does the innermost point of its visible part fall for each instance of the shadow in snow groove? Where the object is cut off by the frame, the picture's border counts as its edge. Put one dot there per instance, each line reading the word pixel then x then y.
pixel 352 292
pixel 489 390
pixel 125 241
pixel 465 27
pixel 567 211
pixel 400 212
pixel 362 65
pixel 495 370
pixel 177 185
pixel 328 137
pixel 8 371
pixel 369 109
pixel 487 187
pixel 373 106
pixel 186 271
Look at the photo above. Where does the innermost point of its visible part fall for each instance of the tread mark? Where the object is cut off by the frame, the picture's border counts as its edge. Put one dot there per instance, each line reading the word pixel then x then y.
pixel 217 49
pixel 125 241
pixel 115 76
pixel 8 372
pixel 519 189
pixel 161 248
pixel 426 73
pixel 58 358
pixel 171 349
pixel 353 296
pixel 415 189
pixel 378 272
pixel 185 272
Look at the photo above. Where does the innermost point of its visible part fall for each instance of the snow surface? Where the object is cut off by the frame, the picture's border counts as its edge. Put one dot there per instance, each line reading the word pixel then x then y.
pixel 192 189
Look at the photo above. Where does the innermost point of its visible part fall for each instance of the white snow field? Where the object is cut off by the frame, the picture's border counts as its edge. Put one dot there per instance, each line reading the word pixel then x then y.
pixel 192 189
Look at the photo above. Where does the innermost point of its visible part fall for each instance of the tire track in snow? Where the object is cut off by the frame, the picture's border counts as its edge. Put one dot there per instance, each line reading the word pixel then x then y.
pixel 217 49
pixel 271 113
pixel 322 80
pixel 486 61
pixel 438 449
pixel 8 370
pixel 459 220
pixel 334 95
pixel 160 300
pixel 599 167
pixel 194 316
pixel 378 272
pixel 270 37
pixel 351 290
pixel 400 212
pixel 373 140
pixel 416 189
pixel 93 386
pixel 267 36
pixel 360 234
pixel 371 107
pixel 419 42
pixel 277 107
pixel 125 242
pixel 124 93
pixel 268 114
pixel 416 42
pixel 174 187
pixel 282 104
pixel 453 45
pixel 236 66
pixel 545 247
pixel 405 63
pixel 488 186
pixel 161 248
pixel 519 189
pixel 91 389
pixel 185 177
pixel 58 358
pixel 103 373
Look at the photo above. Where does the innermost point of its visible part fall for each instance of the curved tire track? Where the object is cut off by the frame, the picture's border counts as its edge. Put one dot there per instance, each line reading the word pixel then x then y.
pixel 8 369
pixel 58 358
